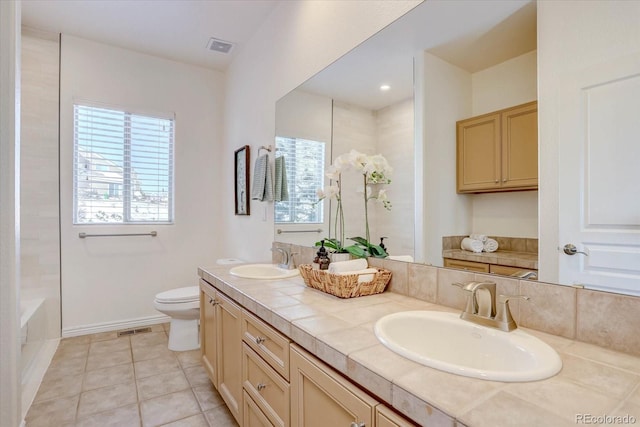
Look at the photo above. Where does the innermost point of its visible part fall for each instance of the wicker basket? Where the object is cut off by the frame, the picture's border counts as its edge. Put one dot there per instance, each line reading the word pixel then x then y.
pixel 344 286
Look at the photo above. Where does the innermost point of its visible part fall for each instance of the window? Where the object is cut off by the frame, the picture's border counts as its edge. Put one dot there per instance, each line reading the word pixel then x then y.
pixel 304 161
pixel 123 167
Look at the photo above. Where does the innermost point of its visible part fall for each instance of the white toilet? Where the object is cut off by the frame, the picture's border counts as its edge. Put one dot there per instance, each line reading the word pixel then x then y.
pixel 183 306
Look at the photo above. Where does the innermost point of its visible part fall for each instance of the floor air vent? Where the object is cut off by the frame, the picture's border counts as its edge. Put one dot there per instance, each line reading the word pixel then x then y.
pixel 133 331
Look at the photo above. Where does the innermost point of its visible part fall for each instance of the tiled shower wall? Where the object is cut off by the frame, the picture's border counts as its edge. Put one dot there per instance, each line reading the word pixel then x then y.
pixel 39 205
pixel 605 319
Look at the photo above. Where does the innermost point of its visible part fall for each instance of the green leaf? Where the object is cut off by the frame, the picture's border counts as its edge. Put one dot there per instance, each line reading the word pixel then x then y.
pixel 360 240
pixel 377 251
pixel 356 251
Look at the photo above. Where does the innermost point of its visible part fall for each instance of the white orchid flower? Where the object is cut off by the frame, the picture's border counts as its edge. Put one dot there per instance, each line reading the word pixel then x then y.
pixel 330 192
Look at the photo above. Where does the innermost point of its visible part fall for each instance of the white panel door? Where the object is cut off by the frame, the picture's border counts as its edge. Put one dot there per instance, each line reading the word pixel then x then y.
pixel 599 158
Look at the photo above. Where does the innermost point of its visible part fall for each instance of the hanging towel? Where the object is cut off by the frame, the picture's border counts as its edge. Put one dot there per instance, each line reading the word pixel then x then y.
pixel 281 188
pixel 262 182
pixel 469 244
pixel 490 245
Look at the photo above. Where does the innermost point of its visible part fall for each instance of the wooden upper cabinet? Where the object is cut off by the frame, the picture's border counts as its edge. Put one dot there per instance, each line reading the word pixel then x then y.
pixel 498 151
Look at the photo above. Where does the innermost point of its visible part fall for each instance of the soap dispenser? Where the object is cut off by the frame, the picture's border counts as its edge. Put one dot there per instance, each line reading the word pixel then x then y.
pixel 322 257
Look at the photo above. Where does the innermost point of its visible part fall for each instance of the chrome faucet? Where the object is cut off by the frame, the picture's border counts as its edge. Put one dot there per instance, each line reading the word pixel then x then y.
pixel 498 315
pixel 287 257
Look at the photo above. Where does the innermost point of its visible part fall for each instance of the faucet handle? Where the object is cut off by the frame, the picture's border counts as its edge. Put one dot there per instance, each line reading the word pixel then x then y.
pixel 471 306
pixel 504 312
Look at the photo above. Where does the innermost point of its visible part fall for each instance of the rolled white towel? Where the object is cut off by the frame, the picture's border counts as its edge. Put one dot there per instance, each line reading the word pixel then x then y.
pixel 405 258
pixel 351 265
pixel 482 237
pixel 469 244
pixel 365 275
pixel 490 245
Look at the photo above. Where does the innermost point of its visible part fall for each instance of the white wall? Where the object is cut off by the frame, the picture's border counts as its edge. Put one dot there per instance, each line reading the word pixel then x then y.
pixel 295 42
pixel 572 35
pixel 40 235
pixel 445 92
pixel 110 282
pixel 513 82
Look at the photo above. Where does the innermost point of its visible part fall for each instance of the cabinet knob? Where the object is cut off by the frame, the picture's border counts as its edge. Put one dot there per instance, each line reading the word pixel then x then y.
pixel 260 340
pixel 261 386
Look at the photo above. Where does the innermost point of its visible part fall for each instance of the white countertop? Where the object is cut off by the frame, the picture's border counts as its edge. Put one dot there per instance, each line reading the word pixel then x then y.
pixel 594 382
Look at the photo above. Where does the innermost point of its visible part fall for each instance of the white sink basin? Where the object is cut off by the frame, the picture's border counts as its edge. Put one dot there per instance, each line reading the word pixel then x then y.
pixel 263 271
pixel 444 341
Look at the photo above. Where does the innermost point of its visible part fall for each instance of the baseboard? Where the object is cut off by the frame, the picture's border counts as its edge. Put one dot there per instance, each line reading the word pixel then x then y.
pixel 114 326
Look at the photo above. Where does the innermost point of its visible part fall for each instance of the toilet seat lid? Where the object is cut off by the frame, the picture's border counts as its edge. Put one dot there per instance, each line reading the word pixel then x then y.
pixel 189 293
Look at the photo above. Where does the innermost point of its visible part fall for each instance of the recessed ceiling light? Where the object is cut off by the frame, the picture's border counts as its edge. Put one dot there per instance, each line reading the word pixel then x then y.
pixel 218 45
pixel 385 88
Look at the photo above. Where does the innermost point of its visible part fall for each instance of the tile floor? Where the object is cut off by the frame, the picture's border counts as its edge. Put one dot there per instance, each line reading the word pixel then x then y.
pixel 102 380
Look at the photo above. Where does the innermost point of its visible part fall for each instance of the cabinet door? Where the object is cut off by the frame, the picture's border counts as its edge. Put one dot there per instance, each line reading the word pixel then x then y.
pixel 520 147
pixel 385 417
pixel 229 355
pixel 321 398
pixel 208 348
pixel 478 153
pixel 466 265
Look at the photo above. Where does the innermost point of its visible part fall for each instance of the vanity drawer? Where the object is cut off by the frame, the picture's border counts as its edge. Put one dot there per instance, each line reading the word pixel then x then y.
pixel 466 265
pixel 267 389
pixel 268 343
pixel 252 415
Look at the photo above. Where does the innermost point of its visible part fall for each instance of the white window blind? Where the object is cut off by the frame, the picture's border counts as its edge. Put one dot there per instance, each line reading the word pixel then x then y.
pixel 123 167
pixel 304 160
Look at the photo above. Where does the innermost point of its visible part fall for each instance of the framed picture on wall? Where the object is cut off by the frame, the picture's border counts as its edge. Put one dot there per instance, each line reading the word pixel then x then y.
pixel 241 168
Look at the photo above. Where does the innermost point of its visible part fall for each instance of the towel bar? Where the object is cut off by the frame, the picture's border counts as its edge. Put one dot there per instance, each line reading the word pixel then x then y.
pixel 151 233
pixel 318 230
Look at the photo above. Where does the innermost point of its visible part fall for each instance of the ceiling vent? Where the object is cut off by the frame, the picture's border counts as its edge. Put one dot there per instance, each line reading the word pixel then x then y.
pixel 218 45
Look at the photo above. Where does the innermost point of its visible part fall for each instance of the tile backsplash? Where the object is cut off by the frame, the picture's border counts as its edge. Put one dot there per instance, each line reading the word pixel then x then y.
pixel 601 318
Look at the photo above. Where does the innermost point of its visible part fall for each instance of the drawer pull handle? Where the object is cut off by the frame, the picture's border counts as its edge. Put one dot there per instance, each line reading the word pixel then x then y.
pixel 260 340
pixel 260 386
pixel 356 424
pixel 210 300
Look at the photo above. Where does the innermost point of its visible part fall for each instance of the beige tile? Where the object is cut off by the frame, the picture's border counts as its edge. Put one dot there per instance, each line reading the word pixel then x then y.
pixel 64 367
pixel 52 413
pixel 627 412
pixel 450 295
pixel 109 346
pixel 146 352
pixel 602 378
pixel 157 385
pixel 349 340
pixel 106 398
pixel 505 410
pixel 72 350
pixel 160 365
pixel 59 387
pixel 124 416
pixel 296 312
pixel 604 355
pixel 399 276
pixel 189 358
pixel 148 339
pixel 609 320
pixel 220 417
pixel 317 325
pixel 71 341
pixel 422 282
pixel 634 398
pixel 208 397
pixel 104 336
pixel 105 360
pixel 193 421
pixel 369 314
pixel 453 394
pixel 169 407
pixel 108 376
pixel 420 411
pixel 551 309
pixel 197 376
pixel 563 397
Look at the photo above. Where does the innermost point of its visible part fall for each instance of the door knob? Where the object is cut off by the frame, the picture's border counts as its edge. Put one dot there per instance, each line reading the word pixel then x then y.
pixel 570 249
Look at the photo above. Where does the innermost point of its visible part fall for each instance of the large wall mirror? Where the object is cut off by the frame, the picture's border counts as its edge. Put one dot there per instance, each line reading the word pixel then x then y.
pixel 442 62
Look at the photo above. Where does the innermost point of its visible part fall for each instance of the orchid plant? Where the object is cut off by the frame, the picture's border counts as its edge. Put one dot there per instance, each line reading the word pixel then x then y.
pixel 375 171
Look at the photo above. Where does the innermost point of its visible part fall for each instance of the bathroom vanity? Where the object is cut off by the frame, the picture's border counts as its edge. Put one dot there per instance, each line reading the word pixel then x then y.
pixel 282 354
